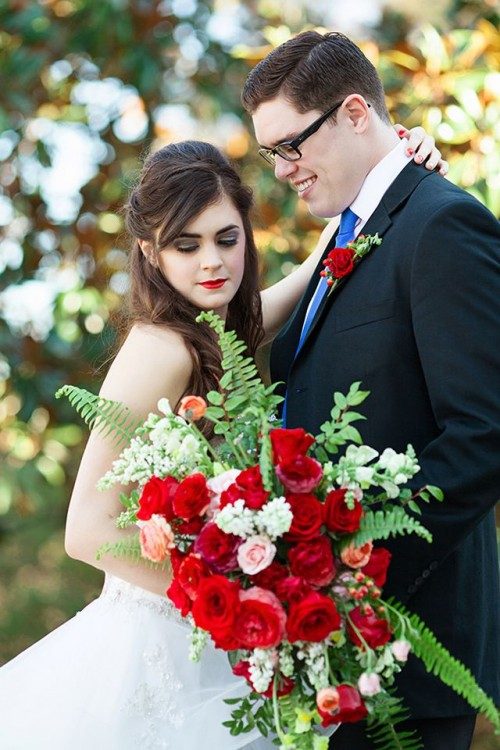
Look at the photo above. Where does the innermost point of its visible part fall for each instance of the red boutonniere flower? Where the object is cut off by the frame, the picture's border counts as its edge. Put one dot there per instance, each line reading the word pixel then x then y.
pixel 340 261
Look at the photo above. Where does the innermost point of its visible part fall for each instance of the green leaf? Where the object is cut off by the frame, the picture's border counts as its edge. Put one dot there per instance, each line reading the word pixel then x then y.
pixel 435 491
pixel 214 397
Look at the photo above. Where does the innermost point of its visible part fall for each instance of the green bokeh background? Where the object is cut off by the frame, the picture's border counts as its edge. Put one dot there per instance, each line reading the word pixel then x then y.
pixel 442 74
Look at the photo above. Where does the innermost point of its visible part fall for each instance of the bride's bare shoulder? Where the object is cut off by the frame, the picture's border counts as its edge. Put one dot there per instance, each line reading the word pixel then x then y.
pixel 153 362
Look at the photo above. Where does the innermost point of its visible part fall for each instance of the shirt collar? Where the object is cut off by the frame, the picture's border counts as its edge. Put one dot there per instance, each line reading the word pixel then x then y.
pixel 378 180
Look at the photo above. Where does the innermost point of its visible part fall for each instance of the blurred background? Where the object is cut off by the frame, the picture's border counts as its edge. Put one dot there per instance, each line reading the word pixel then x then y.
pixel 87 88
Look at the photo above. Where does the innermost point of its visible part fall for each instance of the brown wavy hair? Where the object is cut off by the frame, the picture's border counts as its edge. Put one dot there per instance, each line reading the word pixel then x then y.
pixel 176 184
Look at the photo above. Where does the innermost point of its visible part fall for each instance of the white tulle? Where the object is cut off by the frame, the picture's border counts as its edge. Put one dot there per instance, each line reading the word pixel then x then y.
pixel 117 677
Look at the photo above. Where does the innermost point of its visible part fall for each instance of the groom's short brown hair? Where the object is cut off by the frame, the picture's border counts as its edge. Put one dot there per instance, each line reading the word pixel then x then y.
pixel 314 71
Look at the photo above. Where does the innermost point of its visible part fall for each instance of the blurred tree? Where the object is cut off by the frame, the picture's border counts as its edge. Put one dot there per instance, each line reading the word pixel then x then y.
pixel 86 89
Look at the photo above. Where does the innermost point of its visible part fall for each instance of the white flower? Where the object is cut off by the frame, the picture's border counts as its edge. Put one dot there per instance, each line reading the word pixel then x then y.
pixel 222 481
pixel 401 649
pixel 164 406
pixel 198 638
pixel 364 474
pixel 360 455
pixel 236 519
pixel 275 518
pixel 369 684
pixel 262 665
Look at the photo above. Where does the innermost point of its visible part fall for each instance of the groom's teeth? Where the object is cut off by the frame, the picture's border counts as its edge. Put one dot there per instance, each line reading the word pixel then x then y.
pixel 301 186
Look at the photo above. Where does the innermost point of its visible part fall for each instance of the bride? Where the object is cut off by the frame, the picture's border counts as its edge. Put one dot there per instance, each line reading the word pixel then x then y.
pixel 117 676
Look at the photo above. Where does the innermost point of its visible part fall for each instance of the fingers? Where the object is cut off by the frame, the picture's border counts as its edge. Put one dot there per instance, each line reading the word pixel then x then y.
pixel 443 167
pixel 401 130
pixel 423 149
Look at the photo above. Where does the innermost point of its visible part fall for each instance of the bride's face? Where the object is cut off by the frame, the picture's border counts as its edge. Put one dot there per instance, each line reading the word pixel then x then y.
pixel 205 263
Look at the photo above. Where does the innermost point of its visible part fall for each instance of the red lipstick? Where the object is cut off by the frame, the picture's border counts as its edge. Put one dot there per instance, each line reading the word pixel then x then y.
pixel 213 283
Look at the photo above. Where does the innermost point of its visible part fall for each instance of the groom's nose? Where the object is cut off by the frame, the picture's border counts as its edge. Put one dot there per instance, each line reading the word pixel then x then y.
pixel 283 168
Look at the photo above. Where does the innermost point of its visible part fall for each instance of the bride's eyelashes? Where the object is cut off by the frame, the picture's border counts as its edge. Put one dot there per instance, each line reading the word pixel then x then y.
pixel 223 241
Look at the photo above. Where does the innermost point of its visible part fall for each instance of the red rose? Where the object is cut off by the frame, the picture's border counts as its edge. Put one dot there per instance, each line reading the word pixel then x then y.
pixel 191 498
pixel 340 261
pixel 178 596
pixel 270 577
pixel 374 630
pixel 351 707
pixel 248 487
pixel 312 619
pixel 260 621
pixel 376 567
pixel 301 474
pixel 285 684
pixel 217 548
pixel 313 561
pixel 288 444
pixel 292 589
pixel 307 517
pixel 176 557
pixel 338 517
pixel 156 497
pixel 216 604
pixel 191 571
pixel 191 528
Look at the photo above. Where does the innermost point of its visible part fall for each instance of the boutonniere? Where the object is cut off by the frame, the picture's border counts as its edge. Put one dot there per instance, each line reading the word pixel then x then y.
pixel 340 261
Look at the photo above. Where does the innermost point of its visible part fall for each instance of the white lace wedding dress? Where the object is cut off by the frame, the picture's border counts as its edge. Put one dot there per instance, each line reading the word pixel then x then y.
pixel 117 677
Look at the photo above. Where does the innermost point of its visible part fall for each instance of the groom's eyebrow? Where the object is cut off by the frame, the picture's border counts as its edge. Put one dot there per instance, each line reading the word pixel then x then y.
pixel 283 139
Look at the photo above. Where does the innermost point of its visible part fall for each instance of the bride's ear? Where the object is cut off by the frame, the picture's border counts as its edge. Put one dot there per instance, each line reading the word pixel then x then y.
pixel 149 252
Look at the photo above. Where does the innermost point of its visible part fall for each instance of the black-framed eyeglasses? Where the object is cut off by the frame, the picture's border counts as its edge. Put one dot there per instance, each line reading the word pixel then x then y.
pixel 289 150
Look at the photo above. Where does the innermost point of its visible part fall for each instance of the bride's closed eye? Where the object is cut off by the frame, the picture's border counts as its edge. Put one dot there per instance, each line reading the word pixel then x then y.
pixel 227 241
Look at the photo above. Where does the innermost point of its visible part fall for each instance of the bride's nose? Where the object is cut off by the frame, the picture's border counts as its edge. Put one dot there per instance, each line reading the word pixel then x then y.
pixel 211 257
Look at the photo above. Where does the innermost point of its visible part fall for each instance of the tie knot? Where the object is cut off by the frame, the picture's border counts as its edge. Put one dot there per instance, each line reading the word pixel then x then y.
pixel 348 221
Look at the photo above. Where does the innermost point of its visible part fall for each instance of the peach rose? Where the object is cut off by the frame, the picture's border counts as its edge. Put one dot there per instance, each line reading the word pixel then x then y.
pixel 327 700
pixel 356 557
pixel 255 554
pixel 156 538
pixel 192 408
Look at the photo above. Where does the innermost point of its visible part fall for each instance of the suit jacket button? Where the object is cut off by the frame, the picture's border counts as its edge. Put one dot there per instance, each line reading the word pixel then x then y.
pixel 419 581
pixel 426 573
pixel 433 565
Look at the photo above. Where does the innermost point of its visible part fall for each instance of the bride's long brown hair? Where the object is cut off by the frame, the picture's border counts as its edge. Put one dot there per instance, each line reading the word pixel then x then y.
pixel 176 184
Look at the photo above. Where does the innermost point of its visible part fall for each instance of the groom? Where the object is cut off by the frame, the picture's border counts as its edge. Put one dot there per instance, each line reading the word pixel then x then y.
pixel 418 322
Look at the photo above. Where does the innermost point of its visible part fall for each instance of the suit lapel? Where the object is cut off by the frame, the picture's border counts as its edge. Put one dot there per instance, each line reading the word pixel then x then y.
pixel 379 222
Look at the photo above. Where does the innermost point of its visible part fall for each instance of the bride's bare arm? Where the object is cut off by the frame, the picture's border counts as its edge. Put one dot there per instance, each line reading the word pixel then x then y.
pixel 279 300
pixel 152 363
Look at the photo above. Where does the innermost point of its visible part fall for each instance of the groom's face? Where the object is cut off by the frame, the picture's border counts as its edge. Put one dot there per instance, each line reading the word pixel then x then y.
pixel 330 171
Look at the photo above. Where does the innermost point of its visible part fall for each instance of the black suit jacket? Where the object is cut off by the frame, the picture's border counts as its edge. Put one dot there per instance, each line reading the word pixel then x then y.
pixel 418 322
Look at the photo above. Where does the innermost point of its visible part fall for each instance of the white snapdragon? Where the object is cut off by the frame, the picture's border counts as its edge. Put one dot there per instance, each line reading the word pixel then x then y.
pixel 316 665
pixel 236 519
pixel 275 518
pixel 287 667
pixel 262 665
pixel 198 638
pixel 399 466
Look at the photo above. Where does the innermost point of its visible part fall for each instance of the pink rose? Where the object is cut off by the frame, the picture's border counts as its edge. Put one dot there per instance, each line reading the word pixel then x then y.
pixel 260 619
pixel 256 554
pixel 216 486
pixel 400 649
pixel 369 684
pixel 327 700
pixel 356 557
pixel 156 538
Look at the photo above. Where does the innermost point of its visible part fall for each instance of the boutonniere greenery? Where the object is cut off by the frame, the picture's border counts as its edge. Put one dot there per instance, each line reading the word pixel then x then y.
pixel 340 261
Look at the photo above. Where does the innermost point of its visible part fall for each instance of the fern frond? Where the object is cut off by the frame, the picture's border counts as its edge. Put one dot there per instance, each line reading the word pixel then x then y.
pixel 392 521
pixel 385 730
pixel 105 416
pixel 129 548
pixel 442 664
pixel 241 381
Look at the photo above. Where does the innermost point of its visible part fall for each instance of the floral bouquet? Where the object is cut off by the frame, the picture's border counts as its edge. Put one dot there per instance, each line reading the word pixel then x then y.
pixel 272 547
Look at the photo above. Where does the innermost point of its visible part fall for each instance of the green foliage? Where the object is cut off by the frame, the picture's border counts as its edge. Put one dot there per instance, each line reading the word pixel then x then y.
pixel 386 733
pixel 338 430
pixel 440 662
pixel 392 521
pixel 110 418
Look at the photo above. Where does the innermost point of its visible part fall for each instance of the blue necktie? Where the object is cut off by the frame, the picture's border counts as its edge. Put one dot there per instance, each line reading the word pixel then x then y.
pixel 348 221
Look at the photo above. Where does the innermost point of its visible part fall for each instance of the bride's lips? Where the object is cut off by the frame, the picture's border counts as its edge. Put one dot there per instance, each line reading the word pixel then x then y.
pixel 213 283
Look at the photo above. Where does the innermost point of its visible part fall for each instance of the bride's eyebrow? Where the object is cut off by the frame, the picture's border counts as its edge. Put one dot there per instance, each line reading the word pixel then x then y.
pixel 197 236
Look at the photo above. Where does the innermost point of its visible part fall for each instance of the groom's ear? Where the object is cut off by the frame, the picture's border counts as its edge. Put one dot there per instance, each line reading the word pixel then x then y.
pixel 358 112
